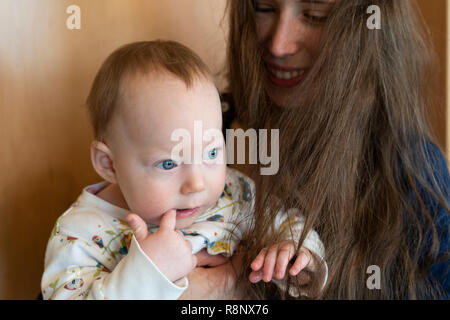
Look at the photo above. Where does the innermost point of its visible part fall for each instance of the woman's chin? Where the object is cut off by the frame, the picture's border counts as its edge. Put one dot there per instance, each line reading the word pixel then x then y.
pixel 283 97
pixel 284 101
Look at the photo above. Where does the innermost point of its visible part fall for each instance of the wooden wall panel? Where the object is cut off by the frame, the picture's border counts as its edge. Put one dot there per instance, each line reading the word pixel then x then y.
pixel 435 15
pixel 45 74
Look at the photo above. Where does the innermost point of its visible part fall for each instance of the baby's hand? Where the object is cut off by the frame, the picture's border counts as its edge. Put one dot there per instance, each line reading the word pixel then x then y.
pixel 273 261
pixel 167 248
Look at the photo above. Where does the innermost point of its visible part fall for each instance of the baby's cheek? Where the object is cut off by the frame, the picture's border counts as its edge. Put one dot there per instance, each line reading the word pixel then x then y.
pixel 219 183
pixel 152 205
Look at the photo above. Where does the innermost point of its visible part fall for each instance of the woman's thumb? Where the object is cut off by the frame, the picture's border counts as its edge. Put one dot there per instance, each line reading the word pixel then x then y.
pixel 138 225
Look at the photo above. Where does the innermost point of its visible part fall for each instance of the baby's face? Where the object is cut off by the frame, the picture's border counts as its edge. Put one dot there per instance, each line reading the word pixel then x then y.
pixel 151 179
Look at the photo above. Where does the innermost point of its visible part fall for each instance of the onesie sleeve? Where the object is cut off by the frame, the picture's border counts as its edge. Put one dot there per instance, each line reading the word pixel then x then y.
pixel 290 225
pixel 78 266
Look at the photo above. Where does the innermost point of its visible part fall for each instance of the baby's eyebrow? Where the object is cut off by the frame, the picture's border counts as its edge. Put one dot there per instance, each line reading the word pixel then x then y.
pixel 155 151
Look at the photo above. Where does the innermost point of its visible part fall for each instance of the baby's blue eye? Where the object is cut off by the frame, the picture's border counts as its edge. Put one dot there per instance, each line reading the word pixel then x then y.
pixel 213 153
pixel 166 165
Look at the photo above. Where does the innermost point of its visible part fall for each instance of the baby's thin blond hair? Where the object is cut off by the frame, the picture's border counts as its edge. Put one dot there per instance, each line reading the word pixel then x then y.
pixel 131 59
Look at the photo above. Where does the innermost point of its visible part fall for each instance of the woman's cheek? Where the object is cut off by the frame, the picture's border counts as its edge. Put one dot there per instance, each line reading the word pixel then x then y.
pixel 261 31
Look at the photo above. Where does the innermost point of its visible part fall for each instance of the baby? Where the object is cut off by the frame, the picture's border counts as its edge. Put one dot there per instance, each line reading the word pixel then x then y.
pixel 181 209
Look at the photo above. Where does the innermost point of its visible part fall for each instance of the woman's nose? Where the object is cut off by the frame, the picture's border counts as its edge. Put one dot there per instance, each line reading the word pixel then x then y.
pixel 194 181
pixel 285 36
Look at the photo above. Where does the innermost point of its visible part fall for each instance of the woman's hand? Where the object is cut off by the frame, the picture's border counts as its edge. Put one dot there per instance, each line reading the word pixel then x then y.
pixel 204 259
pixel 217 283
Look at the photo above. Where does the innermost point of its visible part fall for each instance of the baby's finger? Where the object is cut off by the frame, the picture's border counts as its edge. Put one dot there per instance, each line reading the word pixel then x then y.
pixel 179 233
pixel 189 245
pixel 138 226
pixel 284 255
pixel 269 263
pixel 314 262
pixel 194 261
pixel 168 221
pixel 258 262
pixel 255 276
pixel 302 261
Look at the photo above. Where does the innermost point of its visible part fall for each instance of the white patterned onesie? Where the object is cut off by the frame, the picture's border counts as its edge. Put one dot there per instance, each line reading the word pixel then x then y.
pixel 92 253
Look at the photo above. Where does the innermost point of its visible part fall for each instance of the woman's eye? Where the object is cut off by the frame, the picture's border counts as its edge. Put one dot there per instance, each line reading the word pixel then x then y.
pixel 212 154
pixel 262 7
pixel 166 165
pixel 314 18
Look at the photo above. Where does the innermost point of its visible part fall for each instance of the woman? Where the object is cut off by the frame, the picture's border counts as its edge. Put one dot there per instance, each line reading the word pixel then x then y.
pixel 355 150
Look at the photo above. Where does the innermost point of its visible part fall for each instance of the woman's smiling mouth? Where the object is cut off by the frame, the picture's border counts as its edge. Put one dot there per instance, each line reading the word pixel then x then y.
pixel 283 76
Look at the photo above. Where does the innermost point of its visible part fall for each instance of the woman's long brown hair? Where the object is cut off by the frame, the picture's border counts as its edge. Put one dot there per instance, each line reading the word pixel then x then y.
pixel 354 149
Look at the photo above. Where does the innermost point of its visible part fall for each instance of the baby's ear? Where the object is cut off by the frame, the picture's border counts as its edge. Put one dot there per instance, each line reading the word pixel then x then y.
pixel 103 161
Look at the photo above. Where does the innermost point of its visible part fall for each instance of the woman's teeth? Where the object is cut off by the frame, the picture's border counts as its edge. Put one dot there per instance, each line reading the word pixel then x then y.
pixel 286 75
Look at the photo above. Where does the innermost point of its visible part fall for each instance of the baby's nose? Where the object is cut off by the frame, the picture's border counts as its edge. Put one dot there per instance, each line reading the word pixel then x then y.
pixel 193 182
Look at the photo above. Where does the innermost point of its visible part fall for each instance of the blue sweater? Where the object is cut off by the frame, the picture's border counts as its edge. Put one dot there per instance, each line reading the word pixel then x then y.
pixel 440 271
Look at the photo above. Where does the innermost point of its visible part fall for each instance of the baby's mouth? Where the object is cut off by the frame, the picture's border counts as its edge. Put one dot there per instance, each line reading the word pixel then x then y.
pixel 187 212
